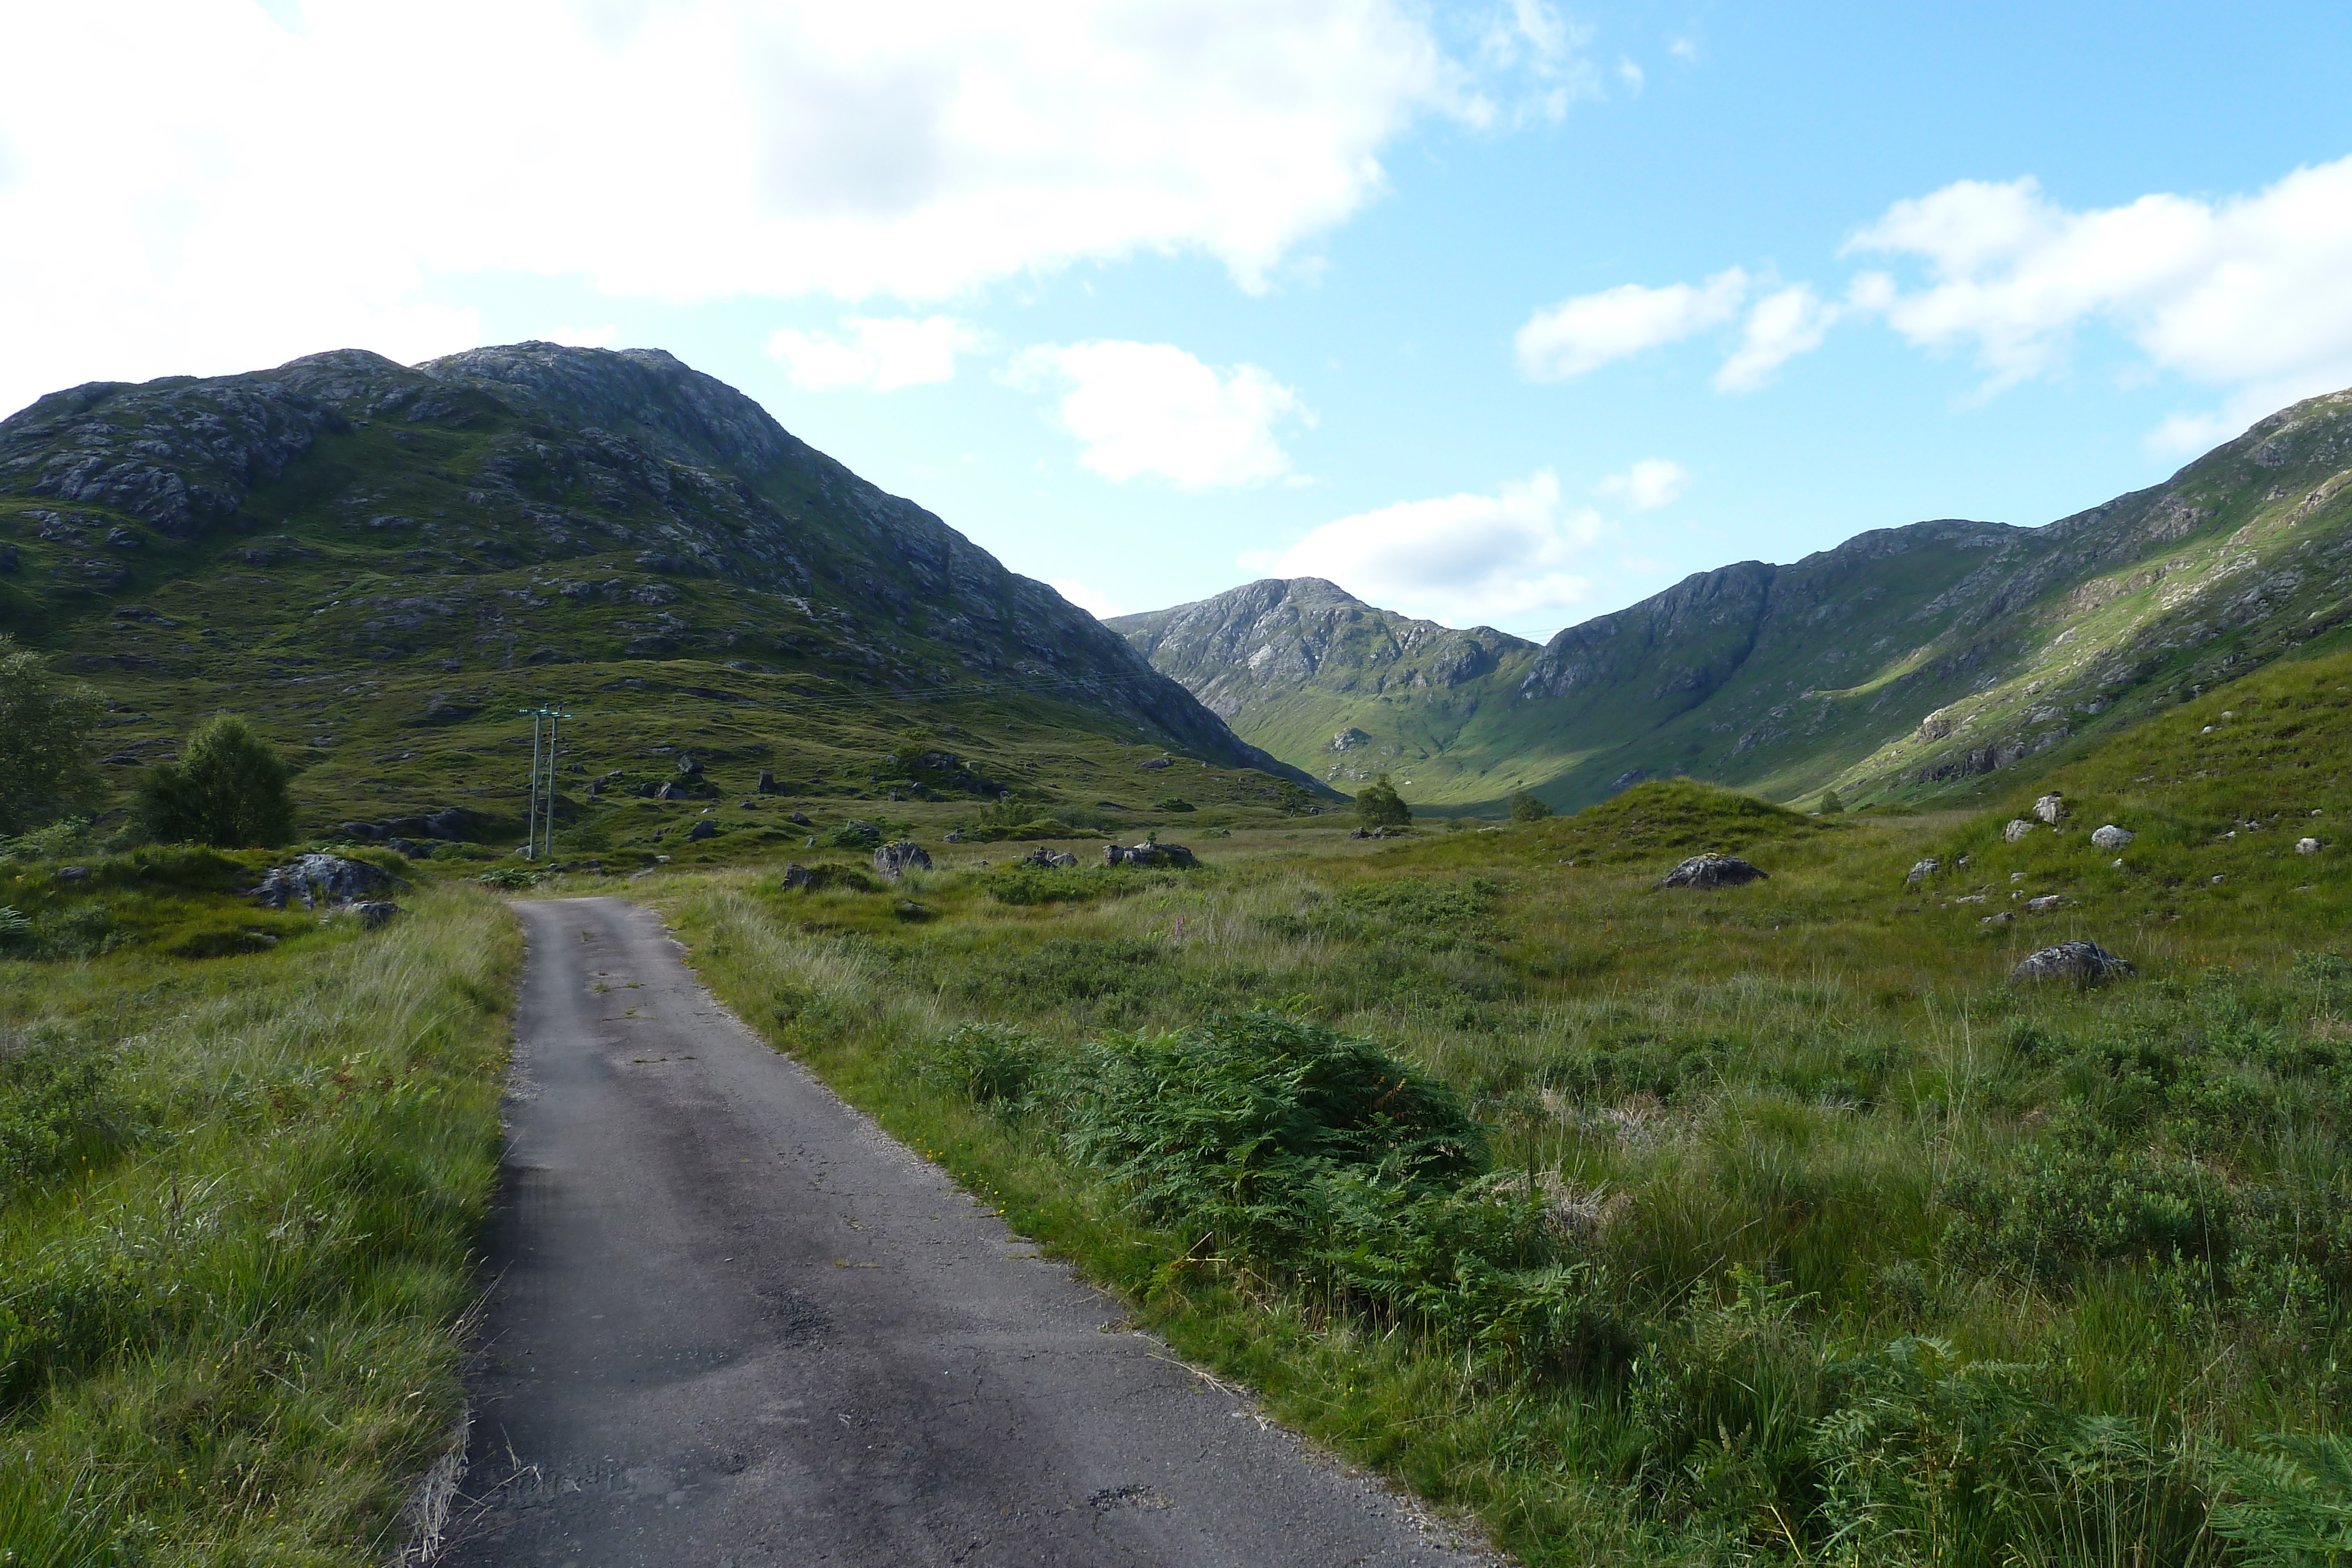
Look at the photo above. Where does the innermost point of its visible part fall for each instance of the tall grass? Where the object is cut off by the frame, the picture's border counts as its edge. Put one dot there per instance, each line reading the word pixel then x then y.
pixel 1877 1259
pixel 230 1278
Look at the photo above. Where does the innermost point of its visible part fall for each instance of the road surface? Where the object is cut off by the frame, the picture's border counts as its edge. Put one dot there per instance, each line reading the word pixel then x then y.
pixel 733 1323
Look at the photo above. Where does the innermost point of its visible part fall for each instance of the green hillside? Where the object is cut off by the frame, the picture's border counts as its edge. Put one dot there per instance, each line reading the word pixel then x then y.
pixel 1907 663
pixel 379 565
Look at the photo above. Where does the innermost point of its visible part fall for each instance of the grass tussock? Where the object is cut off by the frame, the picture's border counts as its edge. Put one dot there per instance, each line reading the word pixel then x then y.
pixel 1765 1225
pixel 238 1207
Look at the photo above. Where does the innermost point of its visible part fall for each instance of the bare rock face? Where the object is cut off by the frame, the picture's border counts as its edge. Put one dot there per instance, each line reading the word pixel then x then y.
pixel 2016 829
pixel 2051 809
pixel 322 879
pixel 2081 962
pixel 1149 854
pixel 899 856
pixel 2112 837
pixel 1713 871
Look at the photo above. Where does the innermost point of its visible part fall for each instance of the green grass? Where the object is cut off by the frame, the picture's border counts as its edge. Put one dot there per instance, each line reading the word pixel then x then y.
pixel 1875 1258
pixel 238 1202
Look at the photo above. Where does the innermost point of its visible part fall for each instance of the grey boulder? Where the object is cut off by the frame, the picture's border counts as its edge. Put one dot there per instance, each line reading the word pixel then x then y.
pixel 798 876
pixel 1149 854
pixel 2051 809
pixel 2081 962
pixel 899 856
pixel 2017 827
pixel 1049 857
pixel 1921 872
pixel 1713 871
pixel 322 879
pixel 705 829
pixel 2112 837
pixel 376 913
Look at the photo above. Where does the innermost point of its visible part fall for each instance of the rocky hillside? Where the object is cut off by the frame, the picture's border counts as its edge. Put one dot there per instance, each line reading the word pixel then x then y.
pixel 1906 661
pixel 347 547
pixel 1321 678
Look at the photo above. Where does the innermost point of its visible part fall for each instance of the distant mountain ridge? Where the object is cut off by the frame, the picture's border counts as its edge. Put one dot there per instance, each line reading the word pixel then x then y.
pixel 1905 660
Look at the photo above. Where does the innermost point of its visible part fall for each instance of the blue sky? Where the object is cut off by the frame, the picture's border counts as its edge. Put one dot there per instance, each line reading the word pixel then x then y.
pixel 1510 313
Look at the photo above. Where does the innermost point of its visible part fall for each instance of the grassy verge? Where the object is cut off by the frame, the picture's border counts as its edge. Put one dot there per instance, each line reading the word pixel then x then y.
pixel 1859 1253
pixel 238 1203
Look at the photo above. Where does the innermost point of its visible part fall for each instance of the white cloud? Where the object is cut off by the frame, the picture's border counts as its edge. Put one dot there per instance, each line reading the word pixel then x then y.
pixel 1093 601
pixel 216 190
pixel 1781 326
pixel 2252 293
pixel 1630 74
pixel 1152 408
pixel 1590 329
pixel 1651 482
pixel 1509 558
pixel 879 355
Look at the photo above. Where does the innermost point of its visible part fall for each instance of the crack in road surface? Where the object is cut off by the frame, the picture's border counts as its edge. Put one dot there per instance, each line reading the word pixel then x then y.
pixel 734 1323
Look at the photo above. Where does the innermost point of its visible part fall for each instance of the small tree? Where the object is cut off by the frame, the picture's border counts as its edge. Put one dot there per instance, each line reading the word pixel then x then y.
pixel 1380 806
pixel 228 789
pixel 1526 808
pixel 45 730
pixel 1831 805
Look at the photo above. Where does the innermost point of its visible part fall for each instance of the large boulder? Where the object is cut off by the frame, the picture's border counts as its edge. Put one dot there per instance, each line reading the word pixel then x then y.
pixel 1713 871
pixel 322 879
pixel 1149 854
pixel 2016 829
pixel 768 785
pixel 705 829
pixel 2051 809
pixel 2078 963
pixel 899 856
pixel 2112 837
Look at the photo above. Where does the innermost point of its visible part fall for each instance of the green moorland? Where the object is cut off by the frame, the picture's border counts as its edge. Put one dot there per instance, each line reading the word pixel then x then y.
pixel 244 1158
pixel 1762 1225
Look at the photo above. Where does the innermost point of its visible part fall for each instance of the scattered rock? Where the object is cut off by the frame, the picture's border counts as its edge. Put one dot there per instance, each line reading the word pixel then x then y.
pixel 2017 827
pixel 374 914
pixel 2051 809
pixel 669 792
pixel 900 856
pixel 366 832
pixel 797 875
pixel 1047 856
pixel 1148 854
pixel 2046 902
pixel 1713 871
pixel 2217 879
pixel 705 829
pixel 1921 872
pixel 409 849
pixel 2307 846
pixel 2084 963
pixel 2003 919
pixel 1970 898
pixel 688 766
pixel 767 785
pixel 448 823
pixel 866 830
pixel 799 818
pixel 73 874
pixel 320 878
pixel 1154 764
pixel 2112 837
pixel 952 836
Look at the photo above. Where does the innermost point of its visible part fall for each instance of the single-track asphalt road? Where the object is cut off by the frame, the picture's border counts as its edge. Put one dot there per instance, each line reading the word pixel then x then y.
pixel 733 1323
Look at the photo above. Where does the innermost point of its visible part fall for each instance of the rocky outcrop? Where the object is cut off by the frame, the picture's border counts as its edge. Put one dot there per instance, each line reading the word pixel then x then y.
pixel 899 856
pixel 1713 871
pixel 323 879
pixel 2082 964
pixel 1149 854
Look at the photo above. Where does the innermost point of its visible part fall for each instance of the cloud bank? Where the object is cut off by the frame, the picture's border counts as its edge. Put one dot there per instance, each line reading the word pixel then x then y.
pixel 192 186
pixel 1512 555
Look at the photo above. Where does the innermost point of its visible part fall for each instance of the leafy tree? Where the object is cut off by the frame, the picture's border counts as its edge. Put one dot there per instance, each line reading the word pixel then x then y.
pixel 228 789
pixel 1380 806
pixel 45 730
pixel 1526 808
pixel 1831 805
